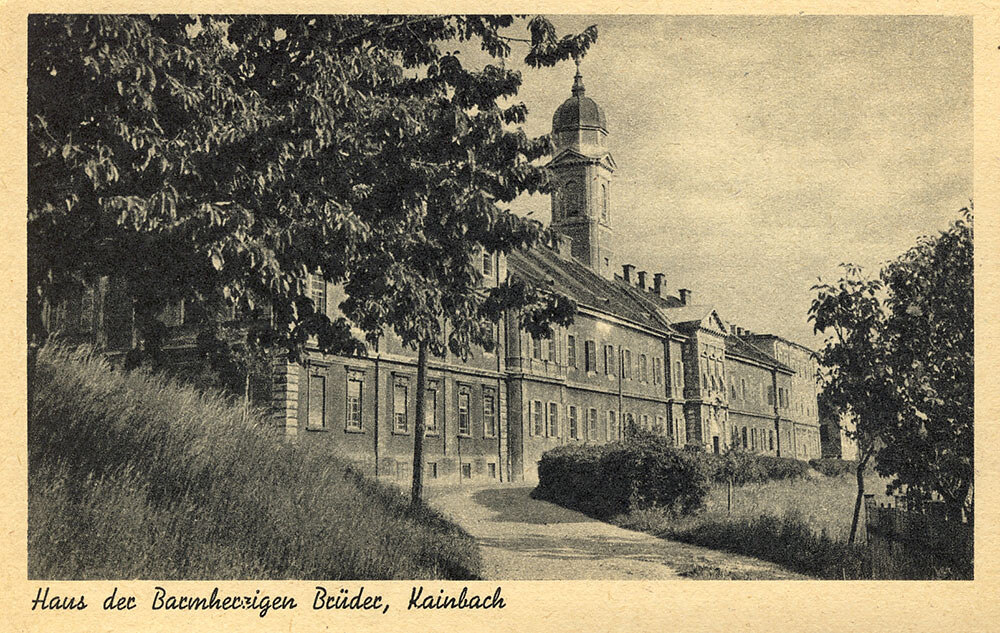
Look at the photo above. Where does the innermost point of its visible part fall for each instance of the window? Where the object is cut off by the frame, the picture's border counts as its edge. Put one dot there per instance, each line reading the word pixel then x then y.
pixel 745 445
pixel 317 292
pixel 609 360
pixel 770 440
pixel 657 371
pixel 661 425
pixel 552 427
pixel 680 376
pixel 574 430
pixel 355 387
pixel 489 413
pixel 753 439
pixel 571 350
pixel 770 395
pixel 432 470
pixel 317 402
pixel 464 423
pixel 590 356
pixel 592 424
pixel 604 202
pixel 732 390
pixel 491 469
pixel 552 349
pixel 743 388
pixel 537 413
pixel 643 375
pixel 487 264
pixel 466 471
pixel 628 423
pixel 627 365
pixel 400 470
pixel 401 423
pixel 645 421
pixel 612 426
pixel 431 409
pixel 536 347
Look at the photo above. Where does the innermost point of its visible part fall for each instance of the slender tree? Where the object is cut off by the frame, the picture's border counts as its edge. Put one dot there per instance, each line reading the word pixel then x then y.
pixel 857 380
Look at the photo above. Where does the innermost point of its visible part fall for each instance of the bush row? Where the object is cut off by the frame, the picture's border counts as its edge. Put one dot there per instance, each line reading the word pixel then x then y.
pixel 832 467
pixel 613 479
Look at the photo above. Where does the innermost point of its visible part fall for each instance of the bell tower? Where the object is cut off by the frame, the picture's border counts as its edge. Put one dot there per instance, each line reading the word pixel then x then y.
pixel 582 170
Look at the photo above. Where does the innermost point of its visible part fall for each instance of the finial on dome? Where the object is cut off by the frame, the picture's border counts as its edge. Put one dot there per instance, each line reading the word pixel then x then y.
pixel 578 88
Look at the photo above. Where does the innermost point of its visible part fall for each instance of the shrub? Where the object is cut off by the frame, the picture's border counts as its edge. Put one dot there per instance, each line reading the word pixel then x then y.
pixel 832 467
pixel 613 479
pixel 131 475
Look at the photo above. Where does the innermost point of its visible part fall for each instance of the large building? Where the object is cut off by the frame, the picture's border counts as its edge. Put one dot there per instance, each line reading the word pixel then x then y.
pixel 636 353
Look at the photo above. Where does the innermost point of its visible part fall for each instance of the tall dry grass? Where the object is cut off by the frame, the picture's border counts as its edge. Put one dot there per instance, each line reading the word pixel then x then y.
pixel 132 475
pixel 801 523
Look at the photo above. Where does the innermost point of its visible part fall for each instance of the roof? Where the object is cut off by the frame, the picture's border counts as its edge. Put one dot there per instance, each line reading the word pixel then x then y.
pixel 738 347
pixel 756 337
pixel 578 111
pixel 544 267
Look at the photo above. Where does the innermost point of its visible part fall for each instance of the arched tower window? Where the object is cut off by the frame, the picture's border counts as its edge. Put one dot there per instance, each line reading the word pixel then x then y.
pixel 604 202
pixel 572 198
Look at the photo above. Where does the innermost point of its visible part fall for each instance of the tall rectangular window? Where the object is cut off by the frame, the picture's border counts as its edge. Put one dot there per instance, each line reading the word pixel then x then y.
pixel 627 365
pixel 317 402
pixel 592 424
pixel 553 420
pixel 553 349
pixel 536 348
pixel 317 292
pixel 489 413
pixel 464 422
pixel 770 440
pixel 431 409
pixel 574 428
pixel 645 422
pixel 770 395
pixel 571 350
pixel 680 376
pixel 643 368
pixel 609 360
pixel 355 388
pixel 400 391
pixel 487 264
pixel 590 353
pixel 612 426
pixel 538 415
pixel 657 378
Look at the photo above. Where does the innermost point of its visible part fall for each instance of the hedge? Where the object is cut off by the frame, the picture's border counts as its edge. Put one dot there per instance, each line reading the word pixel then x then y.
pixel 613 479
pixel 832 467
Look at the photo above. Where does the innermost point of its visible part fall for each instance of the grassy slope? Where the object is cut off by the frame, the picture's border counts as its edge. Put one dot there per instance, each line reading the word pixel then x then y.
pixel 800 523
pixel 134 476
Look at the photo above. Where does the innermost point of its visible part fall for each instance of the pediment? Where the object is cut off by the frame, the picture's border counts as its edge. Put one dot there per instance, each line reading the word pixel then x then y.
pixel 573 157
pixel 714 323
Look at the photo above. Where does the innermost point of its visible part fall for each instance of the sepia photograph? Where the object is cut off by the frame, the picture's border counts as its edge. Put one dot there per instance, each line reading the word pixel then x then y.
pixel 499 297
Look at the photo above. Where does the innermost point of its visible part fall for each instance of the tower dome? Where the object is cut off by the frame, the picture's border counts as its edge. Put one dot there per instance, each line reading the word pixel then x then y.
pixel 579 111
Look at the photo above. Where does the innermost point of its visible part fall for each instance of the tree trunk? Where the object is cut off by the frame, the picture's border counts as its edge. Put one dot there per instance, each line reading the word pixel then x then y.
pixel 417 492
pixel 246 396
pixel 857 502
pixel 729 496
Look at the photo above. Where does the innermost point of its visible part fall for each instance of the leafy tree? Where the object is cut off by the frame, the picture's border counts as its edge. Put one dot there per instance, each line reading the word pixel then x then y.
pixel 930 330
pixel 854 357
pixel 229 157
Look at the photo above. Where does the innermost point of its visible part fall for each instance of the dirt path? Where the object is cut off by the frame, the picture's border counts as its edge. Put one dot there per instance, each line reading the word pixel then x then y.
pixel 521 538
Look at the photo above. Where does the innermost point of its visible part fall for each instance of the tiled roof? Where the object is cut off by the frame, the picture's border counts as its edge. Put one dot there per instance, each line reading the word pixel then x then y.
pixel 546 268
pixel 737 346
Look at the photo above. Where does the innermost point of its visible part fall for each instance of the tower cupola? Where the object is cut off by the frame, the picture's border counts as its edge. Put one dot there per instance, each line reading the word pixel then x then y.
pixel 582 169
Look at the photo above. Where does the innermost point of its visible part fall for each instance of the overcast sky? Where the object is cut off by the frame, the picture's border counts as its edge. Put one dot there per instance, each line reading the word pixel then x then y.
pixel 755 154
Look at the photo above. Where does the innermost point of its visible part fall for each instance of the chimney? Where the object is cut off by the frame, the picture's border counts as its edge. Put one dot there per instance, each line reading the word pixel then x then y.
pixel 627 270
pixel 732 329
pixel 685 296
pixel 642 280
pixel 658 284
pixel 565 245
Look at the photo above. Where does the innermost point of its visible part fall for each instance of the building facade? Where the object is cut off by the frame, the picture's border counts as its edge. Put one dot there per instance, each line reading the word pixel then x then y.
pixel 636 354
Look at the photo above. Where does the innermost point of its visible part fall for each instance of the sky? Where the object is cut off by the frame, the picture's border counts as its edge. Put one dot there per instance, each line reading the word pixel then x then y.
pixel 756 154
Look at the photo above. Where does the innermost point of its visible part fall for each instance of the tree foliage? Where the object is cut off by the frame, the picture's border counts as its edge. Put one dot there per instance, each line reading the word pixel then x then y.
pixel 227 157
pixel 930 329
pixel 898 358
